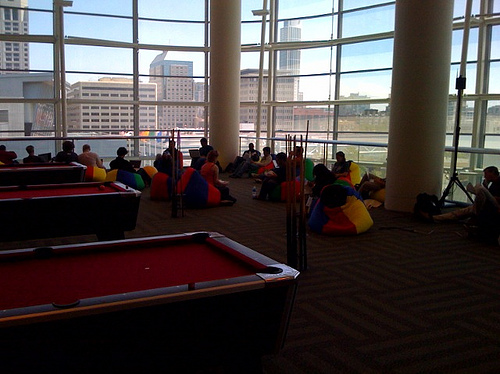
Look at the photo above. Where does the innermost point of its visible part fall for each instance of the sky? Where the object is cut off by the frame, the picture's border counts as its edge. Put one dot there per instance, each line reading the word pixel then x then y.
pixel 115 61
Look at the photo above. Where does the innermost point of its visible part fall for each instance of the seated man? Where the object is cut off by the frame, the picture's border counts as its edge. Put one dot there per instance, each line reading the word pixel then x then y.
pixel 32 158
pixel 89 158
pixel 487 195
pixel 250 153
pixel 250 164
pixel 204 149
pixel 67 154
pixel 120 163
pixel 273 178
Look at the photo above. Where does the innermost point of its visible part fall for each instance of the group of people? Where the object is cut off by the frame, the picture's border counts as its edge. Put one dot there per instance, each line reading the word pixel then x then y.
pixel 66 155
pixel 486 206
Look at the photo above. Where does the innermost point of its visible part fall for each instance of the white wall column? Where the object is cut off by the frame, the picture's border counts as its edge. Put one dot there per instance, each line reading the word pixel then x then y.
pixel 419 101
pixel 225 48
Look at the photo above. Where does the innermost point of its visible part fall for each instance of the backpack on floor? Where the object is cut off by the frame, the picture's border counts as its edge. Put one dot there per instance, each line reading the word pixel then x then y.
pixel 426 206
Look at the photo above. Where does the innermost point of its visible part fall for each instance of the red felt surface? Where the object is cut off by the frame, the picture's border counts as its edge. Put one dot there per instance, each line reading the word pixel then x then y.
pixel 84 274
pixel 44 191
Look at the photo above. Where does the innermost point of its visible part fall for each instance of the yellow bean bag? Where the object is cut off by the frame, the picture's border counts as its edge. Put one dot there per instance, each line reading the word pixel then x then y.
pixel 354 176
pixel 95 174
pixel 340 211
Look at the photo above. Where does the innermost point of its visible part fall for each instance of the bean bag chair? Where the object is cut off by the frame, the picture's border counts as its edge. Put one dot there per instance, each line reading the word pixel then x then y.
pixel 133 180
pixel 150 171
pixel 147 173
pixel 264 168
pixel 196 191
pixel 339 211
pixel 280 192
pixel 161 187
pixel 308 172
pixel 378 195
pixel 95 174
pixel 354 176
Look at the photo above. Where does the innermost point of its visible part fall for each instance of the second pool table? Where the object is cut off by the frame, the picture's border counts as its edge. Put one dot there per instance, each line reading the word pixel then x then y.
pixel 47 211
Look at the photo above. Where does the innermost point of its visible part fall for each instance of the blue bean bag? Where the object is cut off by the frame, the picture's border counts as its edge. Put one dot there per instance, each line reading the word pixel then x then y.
pixel 133 180
pixel 196 191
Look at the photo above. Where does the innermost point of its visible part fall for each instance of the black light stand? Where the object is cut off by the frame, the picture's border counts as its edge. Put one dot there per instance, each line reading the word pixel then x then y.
pixel 460 86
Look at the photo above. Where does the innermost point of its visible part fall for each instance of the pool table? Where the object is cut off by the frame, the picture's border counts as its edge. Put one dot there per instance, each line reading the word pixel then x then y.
pixel 176 303
pixel 44 173
pixel 52 210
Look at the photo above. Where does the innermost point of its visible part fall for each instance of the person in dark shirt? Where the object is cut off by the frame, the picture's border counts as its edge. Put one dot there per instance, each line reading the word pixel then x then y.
pixel 7 157
pixel 205 147
pixel 67 154
pixel 32 158
pixel 197 162
pixel 273 178
pixel 341 167
pixel 322 178
pixel 120 163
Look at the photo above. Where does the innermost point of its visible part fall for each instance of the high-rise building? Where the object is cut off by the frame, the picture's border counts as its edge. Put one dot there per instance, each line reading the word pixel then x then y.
pixel 14 56
pixel 174 82
pixel 249 88
pixel 289 60
pixel 109 117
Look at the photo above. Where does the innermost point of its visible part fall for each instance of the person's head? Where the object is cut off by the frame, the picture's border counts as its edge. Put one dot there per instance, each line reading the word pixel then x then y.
pixel 212 156
pixel 121 152
pixel 86 148
pixel 30 149
pixel 333 196
pixel 266 150
pixel 203 142
pixel 298 151
pixel 2 148
pixel 340 156
pixel 320 170
pixel 166 154
pixel 68 146
pixel 171 144
pixel 251 146
pixel 281 159
pixel 490 173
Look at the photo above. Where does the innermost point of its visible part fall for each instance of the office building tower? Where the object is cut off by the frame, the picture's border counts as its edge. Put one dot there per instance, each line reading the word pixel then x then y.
pixel 249 88
pixel 289 60
pixel 108 117
pixel 174 82
pixel 14 56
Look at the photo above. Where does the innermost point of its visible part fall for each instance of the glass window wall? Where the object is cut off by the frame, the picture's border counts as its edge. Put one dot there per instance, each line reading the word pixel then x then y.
pixel 328 62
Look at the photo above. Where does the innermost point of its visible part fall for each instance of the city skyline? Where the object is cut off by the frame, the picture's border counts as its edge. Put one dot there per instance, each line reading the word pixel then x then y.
pixel 119 62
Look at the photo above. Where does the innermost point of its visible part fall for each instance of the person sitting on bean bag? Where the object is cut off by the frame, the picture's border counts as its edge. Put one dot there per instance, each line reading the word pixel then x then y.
pixel 340 211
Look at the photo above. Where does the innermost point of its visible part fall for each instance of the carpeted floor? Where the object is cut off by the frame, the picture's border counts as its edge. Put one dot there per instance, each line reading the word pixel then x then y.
pixel 404 297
